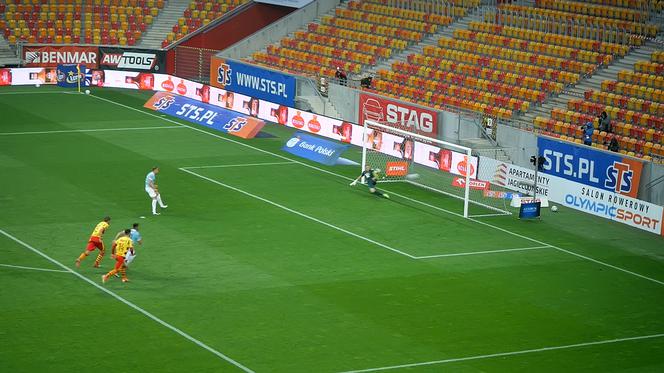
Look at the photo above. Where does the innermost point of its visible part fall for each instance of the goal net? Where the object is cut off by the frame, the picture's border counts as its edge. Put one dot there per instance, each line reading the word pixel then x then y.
pixel 435 165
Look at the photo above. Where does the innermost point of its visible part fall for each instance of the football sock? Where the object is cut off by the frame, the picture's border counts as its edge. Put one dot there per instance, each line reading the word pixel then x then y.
pixel 378 193
pixel 123 272
pixel 112 272
pixel 83 255
pixel 161 203
pixel 100 256
pixel 154 206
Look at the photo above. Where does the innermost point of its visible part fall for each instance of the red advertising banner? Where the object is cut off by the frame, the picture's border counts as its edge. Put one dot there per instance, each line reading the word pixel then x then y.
pixel 5 76
pixel 52 56
pixel 460 182
pixel 398 114
pixel 396 168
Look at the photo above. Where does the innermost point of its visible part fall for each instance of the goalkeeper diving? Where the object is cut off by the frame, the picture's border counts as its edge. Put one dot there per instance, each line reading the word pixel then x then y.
pixel 371 177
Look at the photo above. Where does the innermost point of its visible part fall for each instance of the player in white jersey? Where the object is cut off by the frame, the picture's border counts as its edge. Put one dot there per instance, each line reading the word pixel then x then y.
pixel 153 191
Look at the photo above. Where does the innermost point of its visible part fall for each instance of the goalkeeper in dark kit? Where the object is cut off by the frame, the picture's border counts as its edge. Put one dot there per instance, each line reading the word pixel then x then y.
pixel 371 177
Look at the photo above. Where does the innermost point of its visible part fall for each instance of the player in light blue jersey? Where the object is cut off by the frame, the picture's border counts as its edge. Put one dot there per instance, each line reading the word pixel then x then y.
pixel 136 238
pixel 153 191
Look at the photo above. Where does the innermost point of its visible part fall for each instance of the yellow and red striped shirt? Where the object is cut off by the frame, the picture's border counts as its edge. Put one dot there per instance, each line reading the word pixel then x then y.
pixel 122 245
pixel 100 229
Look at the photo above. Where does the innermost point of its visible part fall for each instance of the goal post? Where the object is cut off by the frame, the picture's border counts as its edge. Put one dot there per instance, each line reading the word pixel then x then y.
pixel 435 165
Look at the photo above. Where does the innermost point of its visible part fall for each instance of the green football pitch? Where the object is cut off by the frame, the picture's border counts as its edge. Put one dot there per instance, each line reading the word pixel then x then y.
pixel 267 263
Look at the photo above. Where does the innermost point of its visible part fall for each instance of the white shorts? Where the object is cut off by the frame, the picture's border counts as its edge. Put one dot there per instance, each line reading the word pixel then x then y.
pixel 129 257
pixel 151 192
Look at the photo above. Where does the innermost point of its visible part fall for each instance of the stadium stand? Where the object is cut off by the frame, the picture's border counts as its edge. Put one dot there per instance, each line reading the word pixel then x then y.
pixel 110 22
pixel 635 105
pixel 357 36
pixel 507 63
pixel 199 14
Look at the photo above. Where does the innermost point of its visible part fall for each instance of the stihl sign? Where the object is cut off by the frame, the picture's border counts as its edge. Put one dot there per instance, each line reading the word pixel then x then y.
pixel 398 114
pixel 396 168
pixel 54 56
pixel 129 60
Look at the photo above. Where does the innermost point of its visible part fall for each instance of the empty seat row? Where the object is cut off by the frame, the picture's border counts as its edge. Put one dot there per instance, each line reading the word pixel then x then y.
pixel 442 80
pixel 604 11
pixel 426 17
pixel 634 90
pixel 557 75
pixel 378 19
pixel 639 28
pixel 641 106
pixel 342 43
pixel 344 33
pixel 627 145
pixel 324 50
pixel 534 47
pixel 551 38
pixel 372 28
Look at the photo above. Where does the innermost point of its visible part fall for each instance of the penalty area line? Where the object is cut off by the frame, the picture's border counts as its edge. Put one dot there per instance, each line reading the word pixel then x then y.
pixel 128 303
pixel 238 165
pixel 31 93
pixel 89 130
pixel 484 252
pixel 503 354
pixel 275 204
pixel 394 193
pixel 33 268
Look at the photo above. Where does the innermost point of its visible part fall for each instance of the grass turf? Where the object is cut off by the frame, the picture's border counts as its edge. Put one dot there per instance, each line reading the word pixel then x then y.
pixel 262 268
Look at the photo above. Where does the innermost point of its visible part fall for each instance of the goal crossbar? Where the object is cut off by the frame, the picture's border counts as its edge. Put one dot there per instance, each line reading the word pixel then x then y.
pixel 394 144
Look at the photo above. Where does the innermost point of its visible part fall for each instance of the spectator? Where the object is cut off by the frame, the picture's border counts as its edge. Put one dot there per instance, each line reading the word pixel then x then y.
pixel 604 122
pixel 341 76
pixel 613 145
pixel 366 82
pixel 588 130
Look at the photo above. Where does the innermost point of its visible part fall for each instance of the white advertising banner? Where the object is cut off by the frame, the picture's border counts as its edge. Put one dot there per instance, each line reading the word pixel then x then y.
pixel 609 205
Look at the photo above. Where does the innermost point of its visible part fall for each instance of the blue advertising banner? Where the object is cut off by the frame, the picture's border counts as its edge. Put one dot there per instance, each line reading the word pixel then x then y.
pixel 314 148
pixel 585 165
pixel 530 210
pixel 68 75
pixel 207 115
pixel 253 81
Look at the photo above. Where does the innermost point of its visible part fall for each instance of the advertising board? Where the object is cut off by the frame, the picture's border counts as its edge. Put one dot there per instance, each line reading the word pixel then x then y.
pixel 591 167
pixel 398 114
pixel 253 81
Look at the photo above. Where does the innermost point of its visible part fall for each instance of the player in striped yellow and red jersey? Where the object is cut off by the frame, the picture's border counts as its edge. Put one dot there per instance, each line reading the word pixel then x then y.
pixel 122 247
pixel 96 242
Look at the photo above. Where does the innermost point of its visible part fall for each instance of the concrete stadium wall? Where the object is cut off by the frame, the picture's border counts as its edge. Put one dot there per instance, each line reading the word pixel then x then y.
pixel 238 27
pixel 277 30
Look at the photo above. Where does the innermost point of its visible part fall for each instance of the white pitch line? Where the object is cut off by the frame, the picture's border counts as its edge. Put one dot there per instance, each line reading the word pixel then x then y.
pixel 512 353
pixel 88 130
pixel 33 268
pixel 130 304
pixel 30 93
pixel 298 213
pixel 483 252
pixel 238 165
pixel 394 193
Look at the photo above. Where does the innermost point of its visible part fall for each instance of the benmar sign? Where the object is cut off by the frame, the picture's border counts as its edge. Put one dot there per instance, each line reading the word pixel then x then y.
pixel 54 56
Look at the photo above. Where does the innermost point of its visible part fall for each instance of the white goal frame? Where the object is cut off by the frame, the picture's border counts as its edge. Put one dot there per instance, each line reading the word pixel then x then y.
pixel 370 124
pixel 462 149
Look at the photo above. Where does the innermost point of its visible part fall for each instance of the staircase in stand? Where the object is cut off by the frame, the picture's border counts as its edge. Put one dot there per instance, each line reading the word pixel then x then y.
pixel 163 24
